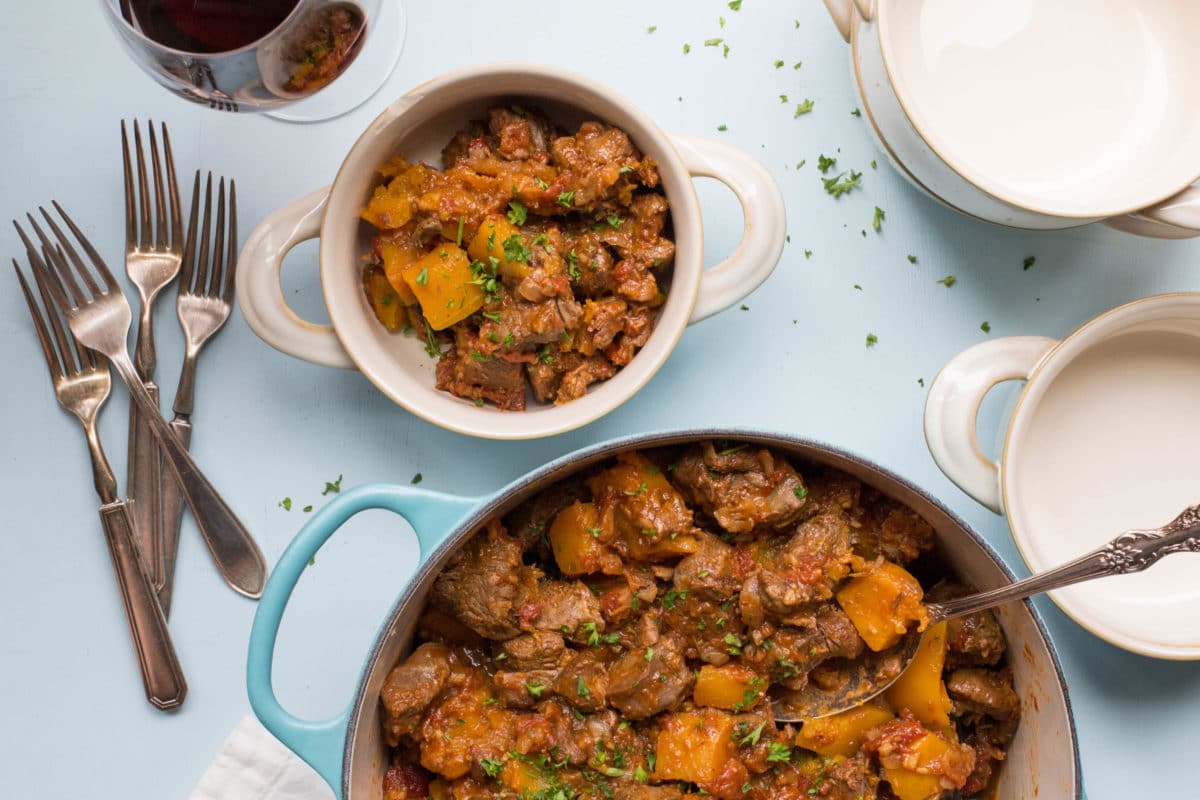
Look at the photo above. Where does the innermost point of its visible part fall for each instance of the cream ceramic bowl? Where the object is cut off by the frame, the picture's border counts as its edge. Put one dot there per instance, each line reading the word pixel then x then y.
pixel 1037 113
pixel 418 125
pixel 348 749
pixel 1103 439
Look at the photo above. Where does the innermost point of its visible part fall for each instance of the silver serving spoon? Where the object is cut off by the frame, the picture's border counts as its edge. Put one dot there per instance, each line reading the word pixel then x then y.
pixel 1132 551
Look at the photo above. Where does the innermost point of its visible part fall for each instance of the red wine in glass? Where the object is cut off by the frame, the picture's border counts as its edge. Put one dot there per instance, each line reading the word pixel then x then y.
pixel 207 26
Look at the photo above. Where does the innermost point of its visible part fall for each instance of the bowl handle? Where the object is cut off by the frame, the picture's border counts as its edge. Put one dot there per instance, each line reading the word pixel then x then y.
pixel 261 296
pixel 320 742
pixel 1175 218
pixel 765 228
pixel 953 405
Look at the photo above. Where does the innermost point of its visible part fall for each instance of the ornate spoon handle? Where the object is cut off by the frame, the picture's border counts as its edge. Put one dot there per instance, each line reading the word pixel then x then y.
pixel 1132 551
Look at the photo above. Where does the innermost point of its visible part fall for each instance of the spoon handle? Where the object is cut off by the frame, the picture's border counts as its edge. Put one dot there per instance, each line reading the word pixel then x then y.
pixel 1132 551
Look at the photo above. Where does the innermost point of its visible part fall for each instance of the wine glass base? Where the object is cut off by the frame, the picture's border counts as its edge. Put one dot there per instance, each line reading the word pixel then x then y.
pixel 365 77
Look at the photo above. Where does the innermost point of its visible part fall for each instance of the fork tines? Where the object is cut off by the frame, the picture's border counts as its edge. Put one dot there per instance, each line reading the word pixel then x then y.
pixel 69 357
pixel 201 275
pixel 143 236
pixel 57 261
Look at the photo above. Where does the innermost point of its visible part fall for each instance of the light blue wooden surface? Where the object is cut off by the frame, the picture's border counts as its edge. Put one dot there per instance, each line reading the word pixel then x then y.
pixel 268 426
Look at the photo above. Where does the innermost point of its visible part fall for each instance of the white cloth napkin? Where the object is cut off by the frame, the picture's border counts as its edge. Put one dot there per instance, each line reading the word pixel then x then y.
pixel 254 765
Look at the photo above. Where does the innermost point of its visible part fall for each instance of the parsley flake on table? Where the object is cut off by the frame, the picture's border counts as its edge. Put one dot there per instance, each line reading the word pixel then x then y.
pixel 797 65
pixel 803 108
pixel 783 98
pixel 722 127
pixel 725 51
pixel 801 163
pixel 921 382
pixel 872 340
pixel 745 307
pixel 720 22
pixel 735 5
pixel 286 504
pixel 652 29
pixel 873 164
pixel 858 286
pixel 877 220
pixel 1028 262
pixel 856 113
pixel 779 63
pixel 912 259
pixel 840 184
pixel 824 164
pixel 334 487
pixel 417 478
pixel 808 253
pixel 948 281
pixel 687 48
pixel 985 327
pixel 714 42
pixel 307 509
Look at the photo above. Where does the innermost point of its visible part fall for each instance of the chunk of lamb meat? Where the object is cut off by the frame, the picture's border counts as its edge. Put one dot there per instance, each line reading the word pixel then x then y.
pixel 795 652
pixel 530 522
pixel 638 238
pixel 480 585
pixel 576 737
pixel 567 376
pixel 891 530
pixel 846 779
pixel 643 791
pixel 975 640
pixel 649 679
pixel 712 571
pixel 467 143
pixel 987 760
pixel 742 490
pixel 531 651
pixel 636 327
pixel 590 164
pixel 523 325
pixel 983 691
pixel 411 687
pixel 522 689
pixel 520 135
pixel 593 260
pixel 466 372
pixel 563 607
pixel 583 682
pixel 703 625
pixel 804 571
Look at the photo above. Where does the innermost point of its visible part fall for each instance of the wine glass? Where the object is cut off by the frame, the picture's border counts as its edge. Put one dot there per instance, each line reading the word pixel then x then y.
pixel 276 56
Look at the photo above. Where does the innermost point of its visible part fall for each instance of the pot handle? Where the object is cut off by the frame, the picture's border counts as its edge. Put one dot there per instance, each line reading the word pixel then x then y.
pixel 320 742
pixel 1175 218
pixel 260 295
pixel 953 405
pixel 765 228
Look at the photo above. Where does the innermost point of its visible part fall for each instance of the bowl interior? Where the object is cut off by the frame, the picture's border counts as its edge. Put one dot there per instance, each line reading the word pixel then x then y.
pixel 418 126
pixel 1042 760
pixel 1103 441
pixel 1074 108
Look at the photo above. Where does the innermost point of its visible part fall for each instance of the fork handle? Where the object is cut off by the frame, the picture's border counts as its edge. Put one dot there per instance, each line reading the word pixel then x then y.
pixel 145 487
pixel 172 518
pixel 237 557
pixel 161 673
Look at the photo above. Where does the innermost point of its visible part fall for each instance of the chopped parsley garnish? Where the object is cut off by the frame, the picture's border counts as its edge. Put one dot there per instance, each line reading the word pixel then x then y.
pixel 787 669
pixel 778 752
pixel 921 382
pixel 487 278
pixel 672 597
pixel 735 5
pixel 515 250
pixel 573 267
pixel 517 212
pixel 333 488
pixel 432 348
pixel 808 253
pixel 985 327
pixel 825 164
pixel 417 479
pixel 800 492
pixel 543 240
pixel 717 42
pixel 734 644
pixel 783 98
pixel 423 276
pixel 567 199
pixel 545 355
pixel 722 127
pixel 641 489
pixel 307 509
pixel 779 63
pixel 687 48
pixel 856 113
pixel 839 185
pixel 745 307
pixel 640 775
pixel 651 29
pixel 582 689
pixel 649 654
pixel 614 222
pixel 948 281
pixel 595 638
pixel 1028 262
pixel 286 504
pixel 877 220
pixel 491 766
pixel 461 222
pixel 803 108
pixel 912 259
pixel 872 340
pixel 535 689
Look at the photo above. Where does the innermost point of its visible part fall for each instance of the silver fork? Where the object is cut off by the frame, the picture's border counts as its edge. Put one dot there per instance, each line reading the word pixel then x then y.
pixel 204 303
pixel 100 320
pixel 81 384
pixel 152 257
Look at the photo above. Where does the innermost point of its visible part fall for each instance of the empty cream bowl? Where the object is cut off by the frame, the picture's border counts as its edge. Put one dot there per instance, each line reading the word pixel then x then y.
pixel 1104 438
pixel 1038 113
pixel 418 125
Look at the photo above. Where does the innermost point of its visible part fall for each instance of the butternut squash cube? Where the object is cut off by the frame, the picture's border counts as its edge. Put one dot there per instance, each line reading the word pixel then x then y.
pixel 914 784
pixel 693 746
pixel 920 688
pixel 522 778
pixel 383 299
pixel 733 687
pixel 397 254
pixel 575 540
pixel 843 734
pixel 444 285
pixel 653 521
pixel 499 239
pixel 883 604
